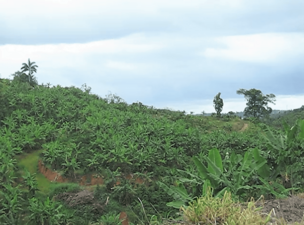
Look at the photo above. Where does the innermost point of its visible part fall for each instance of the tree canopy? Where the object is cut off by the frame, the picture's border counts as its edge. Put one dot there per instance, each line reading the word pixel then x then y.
pixel 26 78
pixel 218 104
pixel 257 103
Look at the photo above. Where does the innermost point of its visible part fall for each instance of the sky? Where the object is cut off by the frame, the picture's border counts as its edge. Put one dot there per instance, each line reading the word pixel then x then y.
pixel 175 55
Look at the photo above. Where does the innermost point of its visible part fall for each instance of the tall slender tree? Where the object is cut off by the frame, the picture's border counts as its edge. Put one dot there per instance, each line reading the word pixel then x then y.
pixel 30 67
pixel 257 103
pixel 218 104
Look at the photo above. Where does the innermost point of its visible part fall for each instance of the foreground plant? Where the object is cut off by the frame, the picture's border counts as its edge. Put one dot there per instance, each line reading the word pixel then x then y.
pixel 241 169
pixel 288 151
pixel 235 178
pixel 110 220
pixel 209 210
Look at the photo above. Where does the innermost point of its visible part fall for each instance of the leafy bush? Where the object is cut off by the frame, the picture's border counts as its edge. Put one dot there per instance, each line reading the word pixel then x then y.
pixel 64 187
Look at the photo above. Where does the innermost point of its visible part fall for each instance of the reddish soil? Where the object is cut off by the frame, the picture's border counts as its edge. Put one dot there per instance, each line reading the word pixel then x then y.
pixel 93 180
pixel 85 180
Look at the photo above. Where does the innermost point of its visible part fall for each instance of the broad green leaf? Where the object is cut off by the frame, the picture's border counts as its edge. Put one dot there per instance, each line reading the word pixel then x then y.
pixel 206 185
pixel 178 193
pixel 182 192
pixel 215 157
pixel 291 135
pixel 264 171
pixel 176 204
pixel 243 187
pixel 244 165
pixel 301 126
pixel 188 180
pixel 202 170
pixel 217 174
pixel 270 188
pixel 221 193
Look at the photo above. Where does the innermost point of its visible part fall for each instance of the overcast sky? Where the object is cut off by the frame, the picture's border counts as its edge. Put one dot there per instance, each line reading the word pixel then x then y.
pixel 167 54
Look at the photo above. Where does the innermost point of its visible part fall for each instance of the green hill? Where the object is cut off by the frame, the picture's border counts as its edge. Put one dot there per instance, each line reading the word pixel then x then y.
pixel 76 134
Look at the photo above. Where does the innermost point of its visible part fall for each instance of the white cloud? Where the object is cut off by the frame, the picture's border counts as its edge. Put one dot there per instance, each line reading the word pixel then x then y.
pixel 138 6
pixel 121 65
pixel 288 102
pixel 260 48
pixel 74 55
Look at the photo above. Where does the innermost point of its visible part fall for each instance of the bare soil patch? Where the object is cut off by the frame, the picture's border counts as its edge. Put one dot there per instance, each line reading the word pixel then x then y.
pixel 290 209
pixel 244 127
pixel 86 197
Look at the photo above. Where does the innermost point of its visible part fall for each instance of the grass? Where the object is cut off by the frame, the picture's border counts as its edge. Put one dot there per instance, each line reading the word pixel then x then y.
pixel 29 161
pixel 223 211
pixel 209 210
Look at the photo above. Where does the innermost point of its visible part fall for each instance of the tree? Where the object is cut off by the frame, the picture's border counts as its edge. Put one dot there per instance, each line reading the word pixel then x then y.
pixel 30 68
pixel 218 104
pixel 24 78
pixel 256 103
pixel 112 98
pixel 231 114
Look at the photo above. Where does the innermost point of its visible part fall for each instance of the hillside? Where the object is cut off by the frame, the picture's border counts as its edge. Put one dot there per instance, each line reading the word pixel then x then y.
pixel 111 158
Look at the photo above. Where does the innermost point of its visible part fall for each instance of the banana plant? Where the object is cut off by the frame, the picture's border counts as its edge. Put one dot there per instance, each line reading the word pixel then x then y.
pixel 71 165
pixel 241 169
pixel 7 166
pixel 31 183
pixel 46 212
pixel 110 220
pixel 252 163
pixel 287 148
pixel 180 193
pixel 120 155
pixel 10 206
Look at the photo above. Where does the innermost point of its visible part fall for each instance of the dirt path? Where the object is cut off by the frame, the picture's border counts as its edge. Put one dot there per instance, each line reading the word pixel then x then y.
pixel 244 127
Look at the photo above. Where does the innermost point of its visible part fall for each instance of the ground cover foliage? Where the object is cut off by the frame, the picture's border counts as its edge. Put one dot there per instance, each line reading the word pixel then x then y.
pixel 178 156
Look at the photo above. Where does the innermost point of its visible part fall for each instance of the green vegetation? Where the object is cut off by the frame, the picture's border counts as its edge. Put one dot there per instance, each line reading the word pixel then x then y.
pixel 256 103
pixel 180 159
pixel 218 104
pixel 29 162
pixel 26 78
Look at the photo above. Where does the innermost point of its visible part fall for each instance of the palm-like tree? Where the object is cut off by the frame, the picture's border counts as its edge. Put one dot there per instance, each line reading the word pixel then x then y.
pixel 29 67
